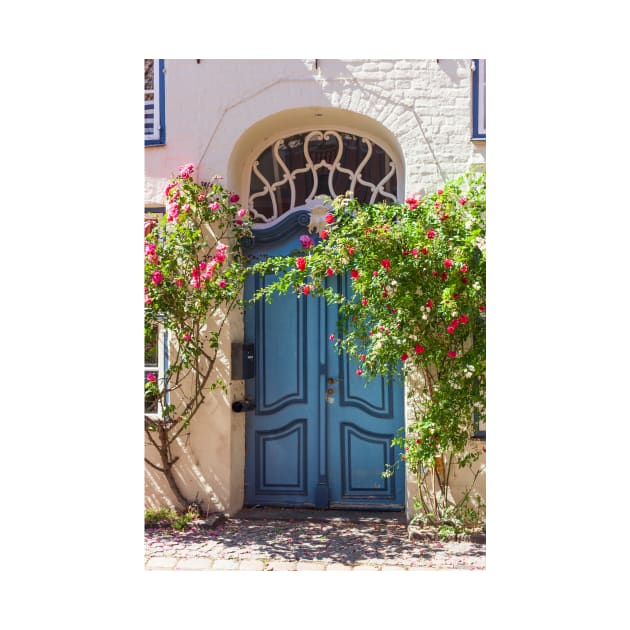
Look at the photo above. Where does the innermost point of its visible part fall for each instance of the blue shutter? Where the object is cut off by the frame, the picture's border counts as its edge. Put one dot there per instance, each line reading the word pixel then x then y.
pixel 154 130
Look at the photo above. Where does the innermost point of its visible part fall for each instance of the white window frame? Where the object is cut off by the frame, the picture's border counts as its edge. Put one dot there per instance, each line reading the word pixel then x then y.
pixel 479 99
pixel 159 369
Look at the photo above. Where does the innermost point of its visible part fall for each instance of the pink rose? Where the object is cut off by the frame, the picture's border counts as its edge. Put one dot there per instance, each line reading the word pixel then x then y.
pixel 214 206
pixel 431 233
pixel 157 277
pixel 222 284
pixel 234 198
pixel 149 224
pixel 173 213
pixel 151 377
pixel 306 241
pixel 186 170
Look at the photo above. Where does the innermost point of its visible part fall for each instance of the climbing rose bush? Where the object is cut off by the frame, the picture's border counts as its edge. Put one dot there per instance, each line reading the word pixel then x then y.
pixel 416 307
pixel 194 271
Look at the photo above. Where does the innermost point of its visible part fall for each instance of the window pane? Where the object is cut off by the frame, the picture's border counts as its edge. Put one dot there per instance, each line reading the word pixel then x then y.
pixel 148 74
pixel 151 346
pixel 306 155
pixel 150 401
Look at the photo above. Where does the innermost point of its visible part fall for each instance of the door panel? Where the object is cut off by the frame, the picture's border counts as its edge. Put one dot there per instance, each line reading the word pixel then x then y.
pixel 281 435
pixel 361 425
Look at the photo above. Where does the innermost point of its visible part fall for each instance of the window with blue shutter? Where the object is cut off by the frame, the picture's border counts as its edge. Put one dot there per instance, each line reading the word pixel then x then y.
pixel 154 130
pixel 479 99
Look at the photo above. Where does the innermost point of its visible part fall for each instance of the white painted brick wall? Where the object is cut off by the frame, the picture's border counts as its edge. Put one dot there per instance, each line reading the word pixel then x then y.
pixel 425 104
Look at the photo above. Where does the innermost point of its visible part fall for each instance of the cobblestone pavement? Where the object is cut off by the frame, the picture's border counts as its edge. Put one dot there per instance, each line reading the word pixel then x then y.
pixel 305 545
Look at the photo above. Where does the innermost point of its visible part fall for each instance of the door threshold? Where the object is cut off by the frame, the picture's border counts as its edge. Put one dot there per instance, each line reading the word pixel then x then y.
pixel 310 514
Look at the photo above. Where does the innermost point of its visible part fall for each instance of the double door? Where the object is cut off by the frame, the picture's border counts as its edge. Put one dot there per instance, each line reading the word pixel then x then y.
pixel 318 436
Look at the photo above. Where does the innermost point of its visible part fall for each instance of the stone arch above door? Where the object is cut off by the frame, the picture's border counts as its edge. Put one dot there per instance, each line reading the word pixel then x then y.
pixel 375 171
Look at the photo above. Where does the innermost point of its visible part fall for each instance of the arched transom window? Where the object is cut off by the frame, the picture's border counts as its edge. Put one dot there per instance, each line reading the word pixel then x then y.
pixel 295 170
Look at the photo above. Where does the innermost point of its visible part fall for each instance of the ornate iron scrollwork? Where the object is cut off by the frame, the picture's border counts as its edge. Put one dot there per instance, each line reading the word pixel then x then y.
pixel 294 171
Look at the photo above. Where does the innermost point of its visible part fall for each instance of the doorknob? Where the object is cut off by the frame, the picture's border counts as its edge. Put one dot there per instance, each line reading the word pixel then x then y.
pixel 331 381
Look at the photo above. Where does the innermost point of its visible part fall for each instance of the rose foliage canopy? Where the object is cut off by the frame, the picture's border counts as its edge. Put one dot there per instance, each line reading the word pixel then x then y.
pixel 417 304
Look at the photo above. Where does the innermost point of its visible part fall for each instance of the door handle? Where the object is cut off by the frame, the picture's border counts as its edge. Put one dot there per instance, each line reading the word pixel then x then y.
pixel 332 381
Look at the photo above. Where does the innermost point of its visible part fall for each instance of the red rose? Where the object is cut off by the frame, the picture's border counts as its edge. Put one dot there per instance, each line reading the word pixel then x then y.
pixel 419 349
pixel 452 354
pixel 404 357
pixel 450 330
pixel 463 319
pixel 431 233
pixel 359 372
pixel 301 263
pixel 330 272
pixel 429 303
pixel 234 198
pixel 354 273
pixel 385 263
pixel 329 218
pixel 323 234
pixel 448 263
pixel 364 302
pixel 306 289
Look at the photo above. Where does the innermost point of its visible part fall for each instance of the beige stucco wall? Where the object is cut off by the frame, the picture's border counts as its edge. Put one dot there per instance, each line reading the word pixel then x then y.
pixel 221 113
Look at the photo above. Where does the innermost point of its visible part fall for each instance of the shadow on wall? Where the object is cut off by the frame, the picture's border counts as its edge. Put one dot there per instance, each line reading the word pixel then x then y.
pixel 385 104
pixel 202 469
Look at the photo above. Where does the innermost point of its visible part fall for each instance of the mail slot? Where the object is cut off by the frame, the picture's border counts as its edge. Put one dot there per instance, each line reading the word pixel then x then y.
pixel 243 364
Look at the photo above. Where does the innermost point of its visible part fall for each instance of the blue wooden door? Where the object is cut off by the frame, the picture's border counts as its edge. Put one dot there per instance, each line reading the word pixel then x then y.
pixel 318 436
